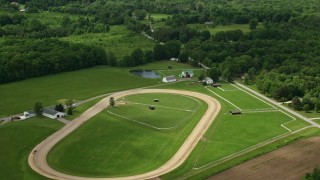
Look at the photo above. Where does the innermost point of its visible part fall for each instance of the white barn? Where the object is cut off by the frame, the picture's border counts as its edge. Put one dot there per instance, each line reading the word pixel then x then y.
pixel 169 79
pixel 52 113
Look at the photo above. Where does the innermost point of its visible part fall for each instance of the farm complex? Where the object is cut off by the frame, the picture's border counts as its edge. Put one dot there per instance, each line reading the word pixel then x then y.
pixel 159 90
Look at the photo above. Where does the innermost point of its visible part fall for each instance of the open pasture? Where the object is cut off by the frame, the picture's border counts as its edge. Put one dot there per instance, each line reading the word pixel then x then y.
pixel 170 112
pixel 118 142
pixel 239 98
pixel 17 140
pixel 19 96
pixel 235 133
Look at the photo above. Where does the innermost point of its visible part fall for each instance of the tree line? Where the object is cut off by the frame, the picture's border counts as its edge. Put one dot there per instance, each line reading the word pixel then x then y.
pixel 21 59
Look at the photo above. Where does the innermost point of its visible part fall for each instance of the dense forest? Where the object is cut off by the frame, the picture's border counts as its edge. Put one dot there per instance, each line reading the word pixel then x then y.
pixel 280 53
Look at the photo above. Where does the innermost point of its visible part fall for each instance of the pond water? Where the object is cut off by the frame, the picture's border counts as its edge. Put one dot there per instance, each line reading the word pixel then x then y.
pixel 145 73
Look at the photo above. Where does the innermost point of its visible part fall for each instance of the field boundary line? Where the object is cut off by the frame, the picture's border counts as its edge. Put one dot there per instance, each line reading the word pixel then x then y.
pixel 221 88
pixel 224 99
pixel 151 126
pixel 211 133
pixel 254 96
pixel 159 128
pixel 249 149
pixel 165 107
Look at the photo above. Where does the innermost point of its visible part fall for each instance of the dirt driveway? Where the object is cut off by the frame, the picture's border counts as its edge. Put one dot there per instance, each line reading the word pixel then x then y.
pixel 290 162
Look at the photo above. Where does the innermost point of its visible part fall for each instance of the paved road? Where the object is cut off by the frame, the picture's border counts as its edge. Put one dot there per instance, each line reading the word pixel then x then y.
pixel 37 158
pixel 279 105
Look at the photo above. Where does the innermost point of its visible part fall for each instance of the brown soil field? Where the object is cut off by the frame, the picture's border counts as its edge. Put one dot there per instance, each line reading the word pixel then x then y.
pixel 290 162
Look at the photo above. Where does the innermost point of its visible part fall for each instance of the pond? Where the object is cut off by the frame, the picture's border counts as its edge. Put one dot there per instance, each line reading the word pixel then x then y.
pixel 145 73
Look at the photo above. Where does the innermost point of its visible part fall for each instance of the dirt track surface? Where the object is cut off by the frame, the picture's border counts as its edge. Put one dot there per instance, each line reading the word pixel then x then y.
pixel 37 161
pixel 290 162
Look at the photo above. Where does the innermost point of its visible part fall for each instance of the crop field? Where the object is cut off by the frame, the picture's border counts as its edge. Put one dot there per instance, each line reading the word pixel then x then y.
pixel 134 146
pixel 118 40
pixel 17 140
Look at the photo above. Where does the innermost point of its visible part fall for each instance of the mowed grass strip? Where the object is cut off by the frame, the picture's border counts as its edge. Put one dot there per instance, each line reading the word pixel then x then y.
pixel 20 96
pixel 110 146
pixel 168 100
pixel 236 133
pixel 241 99
pixel 17 139
pixel 171 111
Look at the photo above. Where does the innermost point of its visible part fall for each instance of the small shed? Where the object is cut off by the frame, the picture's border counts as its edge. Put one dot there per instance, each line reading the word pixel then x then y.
pixel 208 80
pixel 216 85
pixel 152 108
pixel 186 74
pixel 156 100
pixel 235 112
pixel 169 79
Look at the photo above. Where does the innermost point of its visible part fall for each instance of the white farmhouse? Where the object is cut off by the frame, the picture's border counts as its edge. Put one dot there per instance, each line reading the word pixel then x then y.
pixel 27 114
pixel 169 79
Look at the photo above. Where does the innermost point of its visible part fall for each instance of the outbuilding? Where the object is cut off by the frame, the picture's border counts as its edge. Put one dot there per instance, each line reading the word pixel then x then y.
pixel 152 108
pixel 208 80
pixel 235 112
pixel 52 113
pixel 216 85
pixel 169 79
pixel 186 74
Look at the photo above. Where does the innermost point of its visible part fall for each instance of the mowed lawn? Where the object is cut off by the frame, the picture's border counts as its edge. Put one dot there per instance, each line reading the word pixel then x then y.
pixel 240 98
pixel 235 133
pixel 82 84
pixel 170 112
pixel 110 146
pixel 17 139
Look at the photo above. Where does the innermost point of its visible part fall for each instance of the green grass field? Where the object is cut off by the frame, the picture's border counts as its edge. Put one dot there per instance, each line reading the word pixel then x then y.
pixel 317 121
pixel 230 134
pixel 235 133
pixel 117 142
pixel 118 40
pixel 82 84
pixel 239 98
pixel 214 29
pixel 158 17
pixel 17 139
pixel 170 112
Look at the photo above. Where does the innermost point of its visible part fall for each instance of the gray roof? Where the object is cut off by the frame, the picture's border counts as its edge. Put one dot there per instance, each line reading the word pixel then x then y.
pixel 170 78
pixel 50 111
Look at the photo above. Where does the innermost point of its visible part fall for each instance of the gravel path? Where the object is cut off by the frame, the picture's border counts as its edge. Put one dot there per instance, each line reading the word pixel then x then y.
pixel 37 158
